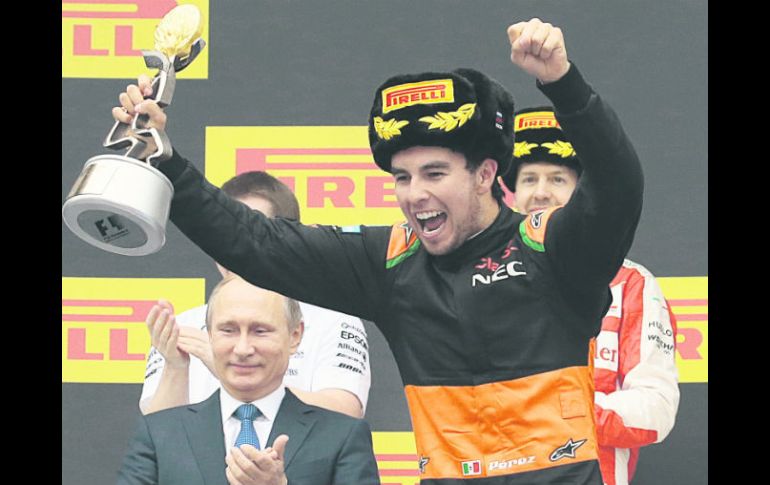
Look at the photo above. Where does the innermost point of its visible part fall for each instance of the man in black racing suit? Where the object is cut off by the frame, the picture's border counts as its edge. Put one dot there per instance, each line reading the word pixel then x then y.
pixel 488 312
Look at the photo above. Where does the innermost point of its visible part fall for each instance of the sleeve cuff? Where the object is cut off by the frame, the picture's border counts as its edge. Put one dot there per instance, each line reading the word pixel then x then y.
pixel 174 166
pixel 569 94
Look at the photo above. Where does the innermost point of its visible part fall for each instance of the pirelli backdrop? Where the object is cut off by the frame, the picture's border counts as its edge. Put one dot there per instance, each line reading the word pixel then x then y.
pixel 286 86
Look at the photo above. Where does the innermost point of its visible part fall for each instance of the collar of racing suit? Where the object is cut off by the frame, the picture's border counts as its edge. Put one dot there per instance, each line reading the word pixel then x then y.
pixel 481 244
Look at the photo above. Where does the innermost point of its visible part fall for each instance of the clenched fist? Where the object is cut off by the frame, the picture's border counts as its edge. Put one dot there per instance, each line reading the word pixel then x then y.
pixel 539 49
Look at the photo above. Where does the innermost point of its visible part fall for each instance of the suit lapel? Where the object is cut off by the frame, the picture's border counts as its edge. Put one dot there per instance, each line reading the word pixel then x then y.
pixel 294 419
pixel 203 424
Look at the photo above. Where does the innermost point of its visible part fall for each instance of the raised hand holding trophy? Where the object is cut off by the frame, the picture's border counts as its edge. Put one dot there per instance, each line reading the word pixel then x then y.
pixel 120 203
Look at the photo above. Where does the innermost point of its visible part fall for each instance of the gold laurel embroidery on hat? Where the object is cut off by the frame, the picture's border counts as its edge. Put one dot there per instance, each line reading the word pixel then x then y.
pixel 522 148
pixel 388 129
pixel 451 120
pixel 562 148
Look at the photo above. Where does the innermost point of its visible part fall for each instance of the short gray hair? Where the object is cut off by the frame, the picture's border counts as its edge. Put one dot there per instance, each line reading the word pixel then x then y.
pixel 291 309
pixel 292 312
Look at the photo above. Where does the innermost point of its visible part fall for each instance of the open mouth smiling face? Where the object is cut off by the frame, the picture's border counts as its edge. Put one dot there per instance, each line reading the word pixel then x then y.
pixel 438 195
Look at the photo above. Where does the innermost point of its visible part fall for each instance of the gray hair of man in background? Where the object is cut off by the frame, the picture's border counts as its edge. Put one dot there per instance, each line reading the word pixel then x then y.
pixel 291 309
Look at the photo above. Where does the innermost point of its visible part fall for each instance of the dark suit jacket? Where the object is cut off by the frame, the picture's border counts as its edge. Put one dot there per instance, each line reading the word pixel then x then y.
pixel 185 446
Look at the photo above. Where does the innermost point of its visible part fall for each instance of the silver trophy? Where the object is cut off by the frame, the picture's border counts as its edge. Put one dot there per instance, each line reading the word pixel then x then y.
pixel 120 203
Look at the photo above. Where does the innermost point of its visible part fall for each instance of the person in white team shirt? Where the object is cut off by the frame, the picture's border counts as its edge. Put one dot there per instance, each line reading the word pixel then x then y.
pixel 330 368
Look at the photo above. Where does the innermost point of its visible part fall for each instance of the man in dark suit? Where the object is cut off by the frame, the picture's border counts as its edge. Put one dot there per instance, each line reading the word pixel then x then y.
pixel 253 333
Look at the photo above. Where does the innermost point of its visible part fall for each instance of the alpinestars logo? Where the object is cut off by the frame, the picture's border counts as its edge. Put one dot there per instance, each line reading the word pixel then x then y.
pixel 408 233
pixel 568 450
pixel 424 460
pixel 537 219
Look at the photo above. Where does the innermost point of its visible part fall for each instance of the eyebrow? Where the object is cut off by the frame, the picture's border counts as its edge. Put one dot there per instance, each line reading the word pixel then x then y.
pixel 251 324
pixel 533 172
pixel 434 165
pixel 424 168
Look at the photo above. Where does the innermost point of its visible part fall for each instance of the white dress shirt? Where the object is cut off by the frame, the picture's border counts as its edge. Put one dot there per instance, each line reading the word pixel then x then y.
pixel 268 407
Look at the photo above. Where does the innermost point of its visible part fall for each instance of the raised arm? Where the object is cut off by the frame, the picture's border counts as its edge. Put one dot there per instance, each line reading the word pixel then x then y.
pixel 588 238
pixel 328 266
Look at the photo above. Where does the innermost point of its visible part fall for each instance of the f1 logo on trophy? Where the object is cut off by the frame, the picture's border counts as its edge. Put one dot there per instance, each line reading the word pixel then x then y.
pixel 120 203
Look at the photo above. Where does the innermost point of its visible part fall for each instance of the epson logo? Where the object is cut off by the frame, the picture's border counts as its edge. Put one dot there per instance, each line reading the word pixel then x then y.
pixel 348 335
pixel 503 465
pixel 502 273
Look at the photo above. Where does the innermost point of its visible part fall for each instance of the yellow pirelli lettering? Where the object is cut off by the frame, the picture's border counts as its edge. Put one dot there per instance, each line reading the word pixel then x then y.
pixel 329 168
pixel 535 120
pixel 397 458
pixel 688 298
pixel 104 335
pixel 424 92
pixel 104 38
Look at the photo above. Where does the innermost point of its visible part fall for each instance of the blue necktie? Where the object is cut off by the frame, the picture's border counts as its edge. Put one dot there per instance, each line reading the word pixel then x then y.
pixel 247 413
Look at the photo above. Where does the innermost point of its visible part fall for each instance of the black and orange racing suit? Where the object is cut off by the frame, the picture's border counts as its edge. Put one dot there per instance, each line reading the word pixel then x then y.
pixel 491 340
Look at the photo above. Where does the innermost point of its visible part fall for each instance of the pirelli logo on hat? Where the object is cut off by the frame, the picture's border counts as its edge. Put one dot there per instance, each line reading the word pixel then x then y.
pixel 535 120
pixel 424 92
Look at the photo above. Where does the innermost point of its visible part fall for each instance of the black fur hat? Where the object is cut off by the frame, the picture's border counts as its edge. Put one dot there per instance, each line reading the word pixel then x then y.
pixel 463 110
pixel 539 138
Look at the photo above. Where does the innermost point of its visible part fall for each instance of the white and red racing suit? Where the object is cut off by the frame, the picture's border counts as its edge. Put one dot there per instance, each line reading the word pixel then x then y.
pixel 635 376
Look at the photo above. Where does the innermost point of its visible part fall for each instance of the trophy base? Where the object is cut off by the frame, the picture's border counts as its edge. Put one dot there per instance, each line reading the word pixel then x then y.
pixel 119 204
